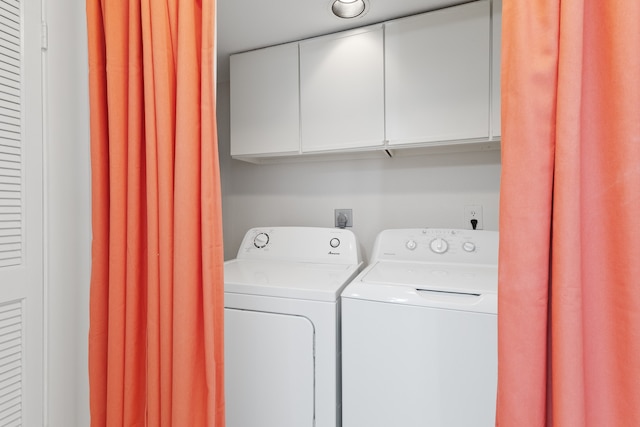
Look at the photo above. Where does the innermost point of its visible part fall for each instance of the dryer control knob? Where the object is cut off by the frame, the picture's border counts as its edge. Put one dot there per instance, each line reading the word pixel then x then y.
pixel 334 243
pixel 261 240
pixel 439 245
pixel 411 244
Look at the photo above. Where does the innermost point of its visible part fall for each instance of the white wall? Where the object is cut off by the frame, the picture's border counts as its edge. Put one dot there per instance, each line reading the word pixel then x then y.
pixel 68 213
pixel 418 191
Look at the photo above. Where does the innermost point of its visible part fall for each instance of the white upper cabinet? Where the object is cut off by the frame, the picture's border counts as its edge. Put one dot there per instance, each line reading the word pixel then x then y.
pixel 422 81
pixel 342 91
pixel 496 40
pixel 265 102
pixel 437 69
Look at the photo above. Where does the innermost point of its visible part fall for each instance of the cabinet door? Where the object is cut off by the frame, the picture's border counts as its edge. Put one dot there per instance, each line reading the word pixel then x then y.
pixel 342 91
pixel 496 44
pixel 265 101
pixel 437 75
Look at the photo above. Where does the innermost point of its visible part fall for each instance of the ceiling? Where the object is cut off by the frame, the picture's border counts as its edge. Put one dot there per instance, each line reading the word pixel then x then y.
pixel 250 24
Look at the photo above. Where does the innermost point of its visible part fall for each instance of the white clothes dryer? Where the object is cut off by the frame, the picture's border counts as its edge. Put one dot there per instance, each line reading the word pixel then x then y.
pixel 419 331
pixel 282 354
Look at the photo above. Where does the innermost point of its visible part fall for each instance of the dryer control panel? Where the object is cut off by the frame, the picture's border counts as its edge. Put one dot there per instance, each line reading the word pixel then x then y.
pixel 301 244
pixel 437 245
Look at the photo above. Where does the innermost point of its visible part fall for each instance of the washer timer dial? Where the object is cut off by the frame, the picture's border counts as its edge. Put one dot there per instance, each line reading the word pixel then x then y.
pixel 439 245
pixel 261 240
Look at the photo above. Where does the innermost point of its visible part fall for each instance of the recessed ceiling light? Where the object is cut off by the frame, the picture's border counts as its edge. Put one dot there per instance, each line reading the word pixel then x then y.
pixel 348 8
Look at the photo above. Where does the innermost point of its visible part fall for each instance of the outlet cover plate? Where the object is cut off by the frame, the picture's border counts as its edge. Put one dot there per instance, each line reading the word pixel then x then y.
pixel 338 216
pixel 473 212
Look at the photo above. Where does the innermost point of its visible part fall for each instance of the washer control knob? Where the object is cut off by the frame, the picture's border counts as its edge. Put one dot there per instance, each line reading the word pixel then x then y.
pixel 261 240
pixel 439 245
pixel 334 243
pixel 469 246
pixel 411 244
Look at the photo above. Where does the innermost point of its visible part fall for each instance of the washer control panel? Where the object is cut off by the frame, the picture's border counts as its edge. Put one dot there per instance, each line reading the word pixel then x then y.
pixel 437 245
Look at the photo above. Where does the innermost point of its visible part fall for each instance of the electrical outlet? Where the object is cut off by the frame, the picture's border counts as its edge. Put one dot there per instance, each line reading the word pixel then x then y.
pixel 473 213
pixel 343 218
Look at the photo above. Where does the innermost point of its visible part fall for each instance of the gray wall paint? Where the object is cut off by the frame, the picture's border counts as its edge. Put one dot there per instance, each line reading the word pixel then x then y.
pixel 418 191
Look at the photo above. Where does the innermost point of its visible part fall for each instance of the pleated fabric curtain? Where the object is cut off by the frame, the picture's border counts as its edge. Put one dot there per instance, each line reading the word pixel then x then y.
pixel 569 273
pixel 156 310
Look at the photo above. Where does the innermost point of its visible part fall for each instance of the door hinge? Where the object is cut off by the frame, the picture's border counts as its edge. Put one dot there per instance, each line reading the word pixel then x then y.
pixel 44 36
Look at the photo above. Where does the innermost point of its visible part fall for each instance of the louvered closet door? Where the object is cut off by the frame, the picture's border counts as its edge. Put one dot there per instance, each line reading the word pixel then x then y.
pixel 21 228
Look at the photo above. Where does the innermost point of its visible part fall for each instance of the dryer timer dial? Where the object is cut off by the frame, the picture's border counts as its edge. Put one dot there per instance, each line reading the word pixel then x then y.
pixel 261 240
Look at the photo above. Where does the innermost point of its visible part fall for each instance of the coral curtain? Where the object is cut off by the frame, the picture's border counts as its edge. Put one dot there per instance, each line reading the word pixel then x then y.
pixel 156 310
pixel 569 275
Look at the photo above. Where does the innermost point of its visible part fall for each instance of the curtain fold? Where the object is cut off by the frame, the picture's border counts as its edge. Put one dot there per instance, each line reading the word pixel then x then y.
pixel 156 309
pixel 569 306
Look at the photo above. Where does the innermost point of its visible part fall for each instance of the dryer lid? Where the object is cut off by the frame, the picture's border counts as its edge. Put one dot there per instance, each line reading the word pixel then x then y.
pixel 297 280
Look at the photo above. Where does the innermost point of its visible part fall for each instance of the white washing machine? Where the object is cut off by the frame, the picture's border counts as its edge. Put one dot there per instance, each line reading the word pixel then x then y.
pixel 419 331
pixel 282 342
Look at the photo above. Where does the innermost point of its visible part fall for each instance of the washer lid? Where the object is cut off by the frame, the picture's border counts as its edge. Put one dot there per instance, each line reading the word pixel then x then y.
pixel 447 286
pixel 297 280
pixel 454 278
